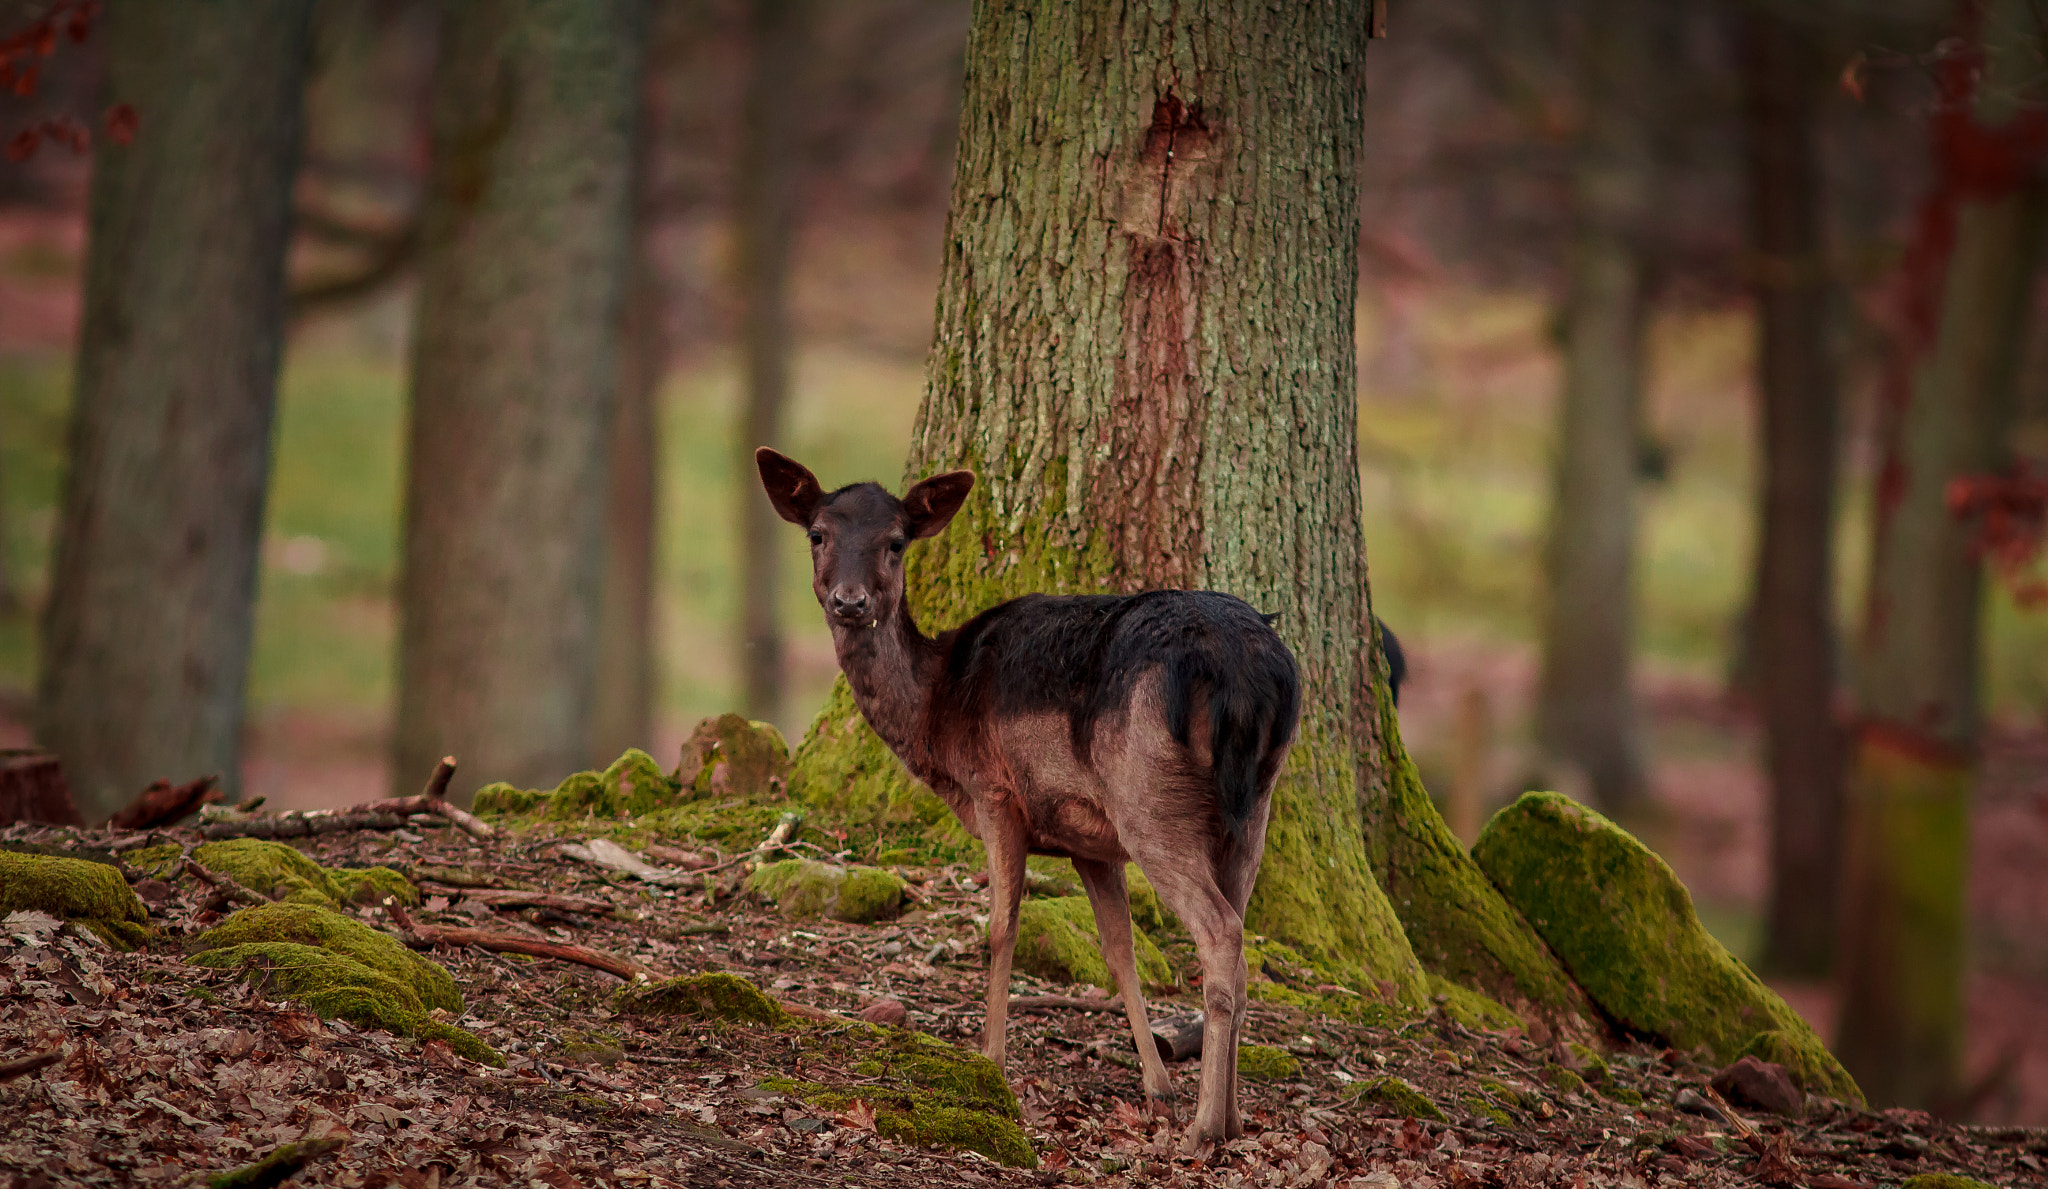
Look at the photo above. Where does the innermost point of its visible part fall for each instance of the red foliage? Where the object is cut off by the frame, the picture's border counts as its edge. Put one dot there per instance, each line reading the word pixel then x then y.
pixel 2011 511
pixel 21 71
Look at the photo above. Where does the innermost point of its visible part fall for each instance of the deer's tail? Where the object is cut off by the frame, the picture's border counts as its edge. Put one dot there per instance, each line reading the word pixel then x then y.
pixel 1254 698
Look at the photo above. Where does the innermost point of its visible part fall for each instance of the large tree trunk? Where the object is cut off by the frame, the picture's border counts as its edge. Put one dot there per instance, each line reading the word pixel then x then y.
pixel 1585 707
pixel 1792 617
pixel 623 714
pixel 765 201
pixel 1144 347
pixel 146 636
pixel 514 376
pixel 1969 275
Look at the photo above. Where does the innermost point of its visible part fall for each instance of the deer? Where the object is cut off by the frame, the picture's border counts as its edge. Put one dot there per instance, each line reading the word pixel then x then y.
pixel 1102 729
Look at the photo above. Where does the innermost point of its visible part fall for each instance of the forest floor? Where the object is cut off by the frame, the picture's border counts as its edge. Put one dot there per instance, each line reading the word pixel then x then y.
pixel 168 1070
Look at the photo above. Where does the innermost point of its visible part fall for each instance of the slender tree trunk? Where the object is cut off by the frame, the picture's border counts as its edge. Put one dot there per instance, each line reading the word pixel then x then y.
pixel 1144 347
pixel 514 376
pixel 146 635
pixel 1585 706
pixel 1969 277
pixel 765 197
pixel 627 653
pixel 1792 617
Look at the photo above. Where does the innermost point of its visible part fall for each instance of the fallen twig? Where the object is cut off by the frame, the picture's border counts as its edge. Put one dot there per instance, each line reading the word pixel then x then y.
pixel 1027 1003
pixel 509 898
pixel 225 890
pixel 9 1070
pixel 434 799
pixel 297 824
pixel 423 936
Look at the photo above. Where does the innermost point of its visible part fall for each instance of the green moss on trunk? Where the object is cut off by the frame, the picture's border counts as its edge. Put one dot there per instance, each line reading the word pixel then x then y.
pixel 1456 921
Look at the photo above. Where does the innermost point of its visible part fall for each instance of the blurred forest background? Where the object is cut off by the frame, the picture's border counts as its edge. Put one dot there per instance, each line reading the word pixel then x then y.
pixel 1561 198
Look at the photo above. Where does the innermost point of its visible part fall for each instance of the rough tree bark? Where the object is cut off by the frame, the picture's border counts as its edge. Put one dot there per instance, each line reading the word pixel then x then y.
pixel 1950 396
pixel 764 193
pixel 146 634
pixel 1585 707
pixel 1144 348
pixel 1792 620
pixel 514 375
pixel 622 714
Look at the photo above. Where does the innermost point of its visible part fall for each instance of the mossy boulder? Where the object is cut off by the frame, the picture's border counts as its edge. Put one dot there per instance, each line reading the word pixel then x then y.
pixel 1804 1057
pixel 163 861
pixel 715 996
pixel 1264 1063
pixel 729 756
pixel 1941 1180
pixel 90 895
pixel 371 886
pixel 1396 1097
pixel 1056 940
pixel 631 786
pixel 931 1094
pixel 336 986
pixel 1563 1080
pixel 271 869
pixel 1625 928
pixel 807 888
pixel 502 798
pixel 321 928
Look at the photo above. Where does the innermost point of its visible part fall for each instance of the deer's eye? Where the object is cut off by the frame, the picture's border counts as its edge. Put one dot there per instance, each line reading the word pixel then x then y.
pixel 817 538
pixel 896 546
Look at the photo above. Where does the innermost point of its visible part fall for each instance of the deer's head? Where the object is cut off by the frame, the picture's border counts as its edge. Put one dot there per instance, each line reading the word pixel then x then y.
pixel 858 534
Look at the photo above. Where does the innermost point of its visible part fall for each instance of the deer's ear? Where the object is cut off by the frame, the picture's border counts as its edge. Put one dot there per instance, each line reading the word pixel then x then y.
pixel 932 503
pixel 791 487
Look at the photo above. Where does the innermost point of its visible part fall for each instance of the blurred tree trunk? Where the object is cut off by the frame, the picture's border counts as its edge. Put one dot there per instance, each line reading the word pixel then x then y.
pixel 1144 347
pixel 1968 279
pixel 1792 621
pixel 514 379
pixel 765 198
pixel 146 635
pixel 627 649
pixel 1585 707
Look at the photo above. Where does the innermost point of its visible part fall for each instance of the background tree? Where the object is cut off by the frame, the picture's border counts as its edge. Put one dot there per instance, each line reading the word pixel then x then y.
pixel 146 632
pixel 514 374
pixel 765 209
pixel 1964 293
pixel 1792 629
pixel 1585 705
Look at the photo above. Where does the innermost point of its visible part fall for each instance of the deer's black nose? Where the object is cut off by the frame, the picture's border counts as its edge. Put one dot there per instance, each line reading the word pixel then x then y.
pixel 850 604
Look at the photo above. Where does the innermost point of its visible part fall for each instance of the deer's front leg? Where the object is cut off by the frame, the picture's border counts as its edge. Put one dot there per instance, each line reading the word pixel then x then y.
pixel 1003 834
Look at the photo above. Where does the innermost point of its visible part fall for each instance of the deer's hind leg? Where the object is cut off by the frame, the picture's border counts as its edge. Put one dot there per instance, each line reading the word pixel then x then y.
pixel 1110 899
pixel 1237 870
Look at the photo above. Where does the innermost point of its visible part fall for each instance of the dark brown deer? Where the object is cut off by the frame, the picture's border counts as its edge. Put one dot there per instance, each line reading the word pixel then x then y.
pixel 1098 728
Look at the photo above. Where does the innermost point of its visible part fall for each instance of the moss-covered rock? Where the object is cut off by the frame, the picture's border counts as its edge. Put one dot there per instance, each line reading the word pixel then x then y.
pixel 335 985
pixel 370 886
pixel 806 888
pixel 730 756
pixel 1563 1080
pixel 502 798
pixel 929 1093
pixel 1480 1106
pixel 1056 940
pixel 1469 1007
pixel 632 786
pixel 1941 1180
pixel 320 928
pixel 157 862
pixel 714 996
pixel 91 895
pixel 271 869
pixel 1625 928
pixel 1264 1063
pixel 1397 1097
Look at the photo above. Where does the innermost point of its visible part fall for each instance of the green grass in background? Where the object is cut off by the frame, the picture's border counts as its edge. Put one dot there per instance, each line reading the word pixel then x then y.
pixel 1455 484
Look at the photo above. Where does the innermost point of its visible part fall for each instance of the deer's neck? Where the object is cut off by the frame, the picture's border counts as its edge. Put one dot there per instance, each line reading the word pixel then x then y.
pixel 892 671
